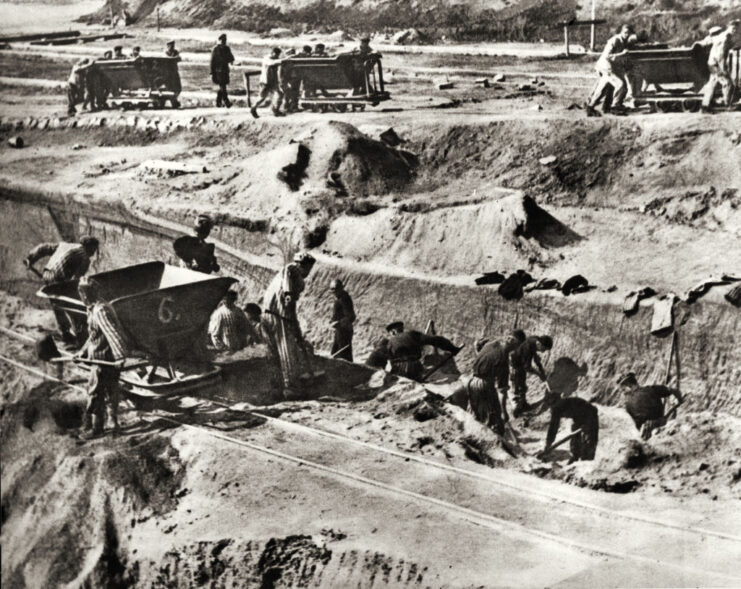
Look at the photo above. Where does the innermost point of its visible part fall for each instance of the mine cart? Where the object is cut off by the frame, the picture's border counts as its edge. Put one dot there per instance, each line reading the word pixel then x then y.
pixel 349 80
pixel 677 76
pixel 163 311
pixel 140 82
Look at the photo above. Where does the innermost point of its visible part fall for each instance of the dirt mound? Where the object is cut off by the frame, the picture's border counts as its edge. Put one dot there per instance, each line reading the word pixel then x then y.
pixel 508 233
pixel 695 454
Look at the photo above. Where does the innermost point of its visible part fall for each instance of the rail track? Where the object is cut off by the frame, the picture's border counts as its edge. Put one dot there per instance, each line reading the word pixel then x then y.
pixel 556 518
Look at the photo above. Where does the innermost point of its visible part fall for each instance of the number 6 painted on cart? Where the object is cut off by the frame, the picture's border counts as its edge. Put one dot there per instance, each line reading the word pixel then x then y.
pixel 165 313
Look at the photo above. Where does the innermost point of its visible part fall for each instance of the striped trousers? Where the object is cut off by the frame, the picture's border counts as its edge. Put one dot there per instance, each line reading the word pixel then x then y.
pixel 285 345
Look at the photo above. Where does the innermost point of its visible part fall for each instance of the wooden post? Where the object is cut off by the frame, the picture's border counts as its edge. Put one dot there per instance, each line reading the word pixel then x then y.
pixel 592 32
pixel 566 38
pixel 158 17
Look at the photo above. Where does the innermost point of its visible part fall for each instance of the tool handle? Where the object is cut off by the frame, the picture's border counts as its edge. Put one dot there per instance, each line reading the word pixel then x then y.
pixel 116 364
pixel 30 268
pixel 560 442
pixel 440 364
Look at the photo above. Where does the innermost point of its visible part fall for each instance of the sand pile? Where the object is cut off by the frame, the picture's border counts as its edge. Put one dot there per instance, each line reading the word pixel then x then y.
pixel 506 234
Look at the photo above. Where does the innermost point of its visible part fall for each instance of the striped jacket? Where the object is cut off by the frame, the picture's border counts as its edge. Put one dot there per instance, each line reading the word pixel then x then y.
pixel 67 261
pixel 106 340
pixel 229 329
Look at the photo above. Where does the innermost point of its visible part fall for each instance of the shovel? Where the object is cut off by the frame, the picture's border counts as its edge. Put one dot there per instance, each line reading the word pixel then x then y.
pixel 558 443
pixel 34 270
pixel 47 351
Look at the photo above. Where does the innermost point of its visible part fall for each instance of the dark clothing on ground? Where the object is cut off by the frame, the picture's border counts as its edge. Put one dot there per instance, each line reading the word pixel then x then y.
pixel 583 416
pixel 646 403
pixel 196 253
pixel 343 317
pixel 405 352
pixel 221 58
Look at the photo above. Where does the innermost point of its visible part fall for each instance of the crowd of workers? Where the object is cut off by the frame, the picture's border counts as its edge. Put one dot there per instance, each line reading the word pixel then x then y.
pixel 276 323
pixel 620 82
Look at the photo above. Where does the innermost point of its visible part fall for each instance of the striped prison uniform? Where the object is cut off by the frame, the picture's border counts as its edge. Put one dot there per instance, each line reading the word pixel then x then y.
pixel 67 261
pixel 105 342
pixel 281 327
pixel 229 330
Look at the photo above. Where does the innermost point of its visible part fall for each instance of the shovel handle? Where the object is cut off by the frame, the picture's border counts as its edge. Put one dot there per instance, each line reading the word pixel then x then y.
pixel 440 364
pixel 558 443
pixel 30 268
pixel 117 364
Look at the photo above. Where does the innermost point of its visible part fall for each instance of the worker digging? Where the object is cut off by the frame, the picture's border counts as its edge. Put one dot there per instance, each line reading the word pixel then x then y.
pixel 294 295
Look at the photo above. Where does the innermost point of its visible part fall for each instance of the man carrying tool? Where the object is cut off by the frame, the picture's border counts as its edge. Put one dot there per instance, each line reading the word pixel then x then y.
pixel 522 358
pixel 343 317
pixel 105 343
pixel 491 372
pixel 719 64
pixel 584 420
pixel 405 350
pixel 228 329
pixel 67 262
pixel 645 404
pixel 271 87
pixel 221 59
pixel 611 67
pixel 280 323
pixel 197 254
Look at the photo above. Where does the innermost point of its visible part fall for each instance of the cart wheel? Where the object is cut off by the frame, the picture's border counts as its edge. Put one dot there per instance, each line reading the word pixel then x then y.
pixel 341 108
pixel 690 105
pixel 663 106
pixel 362 107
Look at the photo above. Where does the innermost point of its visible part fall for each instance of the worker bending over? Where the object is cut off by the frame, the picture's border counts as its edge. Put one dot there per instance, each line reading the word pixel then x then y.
pixel 405 349
pixel 583 416
pixel 645 404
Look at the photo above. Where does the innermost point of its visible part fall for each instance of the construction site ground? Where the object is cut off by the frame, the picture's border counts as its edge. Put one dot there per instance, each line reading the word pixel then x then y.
pixel 408 490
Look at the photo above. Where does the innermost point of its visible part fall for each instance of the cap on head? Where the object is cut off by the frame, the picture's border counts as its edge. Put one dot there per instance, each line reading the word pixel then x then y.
pixel 626 28
pixel 136 48
pixel 171 43
pixel 480 343
pixel 252 309
pixel 89 243
pixel 204 223
pixel 222 37
pixel 291 51
pixel 306 49
pixel 336 284
pixel 118 48
pixel 628 380
pixel 303 258
pixel 365 40
pixel 546 341
pixel 319 46
pixel 395 326
pixel 519 335
pixel 230 296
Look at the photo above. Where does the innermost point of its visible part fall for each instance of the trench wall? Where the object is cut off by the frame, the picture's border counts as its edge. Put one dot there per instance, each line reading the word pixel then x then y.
pixel 588 328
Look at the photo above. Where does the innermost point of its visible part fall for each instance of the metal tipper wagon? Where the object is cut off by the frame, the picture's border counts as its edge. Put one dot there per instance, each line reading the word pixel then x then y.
pixel 164 312
pixel 140 82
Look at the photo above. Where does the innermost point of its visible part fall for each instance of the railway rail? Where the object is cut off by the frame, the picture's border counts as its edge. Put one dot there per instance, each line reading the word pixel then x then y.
pixel 489 511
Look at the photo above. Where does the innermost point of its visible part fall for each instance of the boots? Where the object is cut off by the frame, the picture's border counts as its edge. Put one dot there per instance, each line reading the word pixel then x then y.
pixel 96 428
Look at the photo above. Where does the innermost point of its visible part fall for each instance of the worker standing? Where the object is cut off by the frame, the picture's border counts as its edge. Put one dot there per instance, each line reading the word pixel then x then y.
pixel 271 90
pixel 195 251
pixel 343 317
pixel 280 324
pixel 490 377
pixel 645 404
pixel 405 349
pixel 522 359
pixel 611 67
pixel 221 59
pixel 584 417
pixel 105 342
pixel 118 52
pixel 76 85
pixel 67 262
pixel 719 66
pixel 172 52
